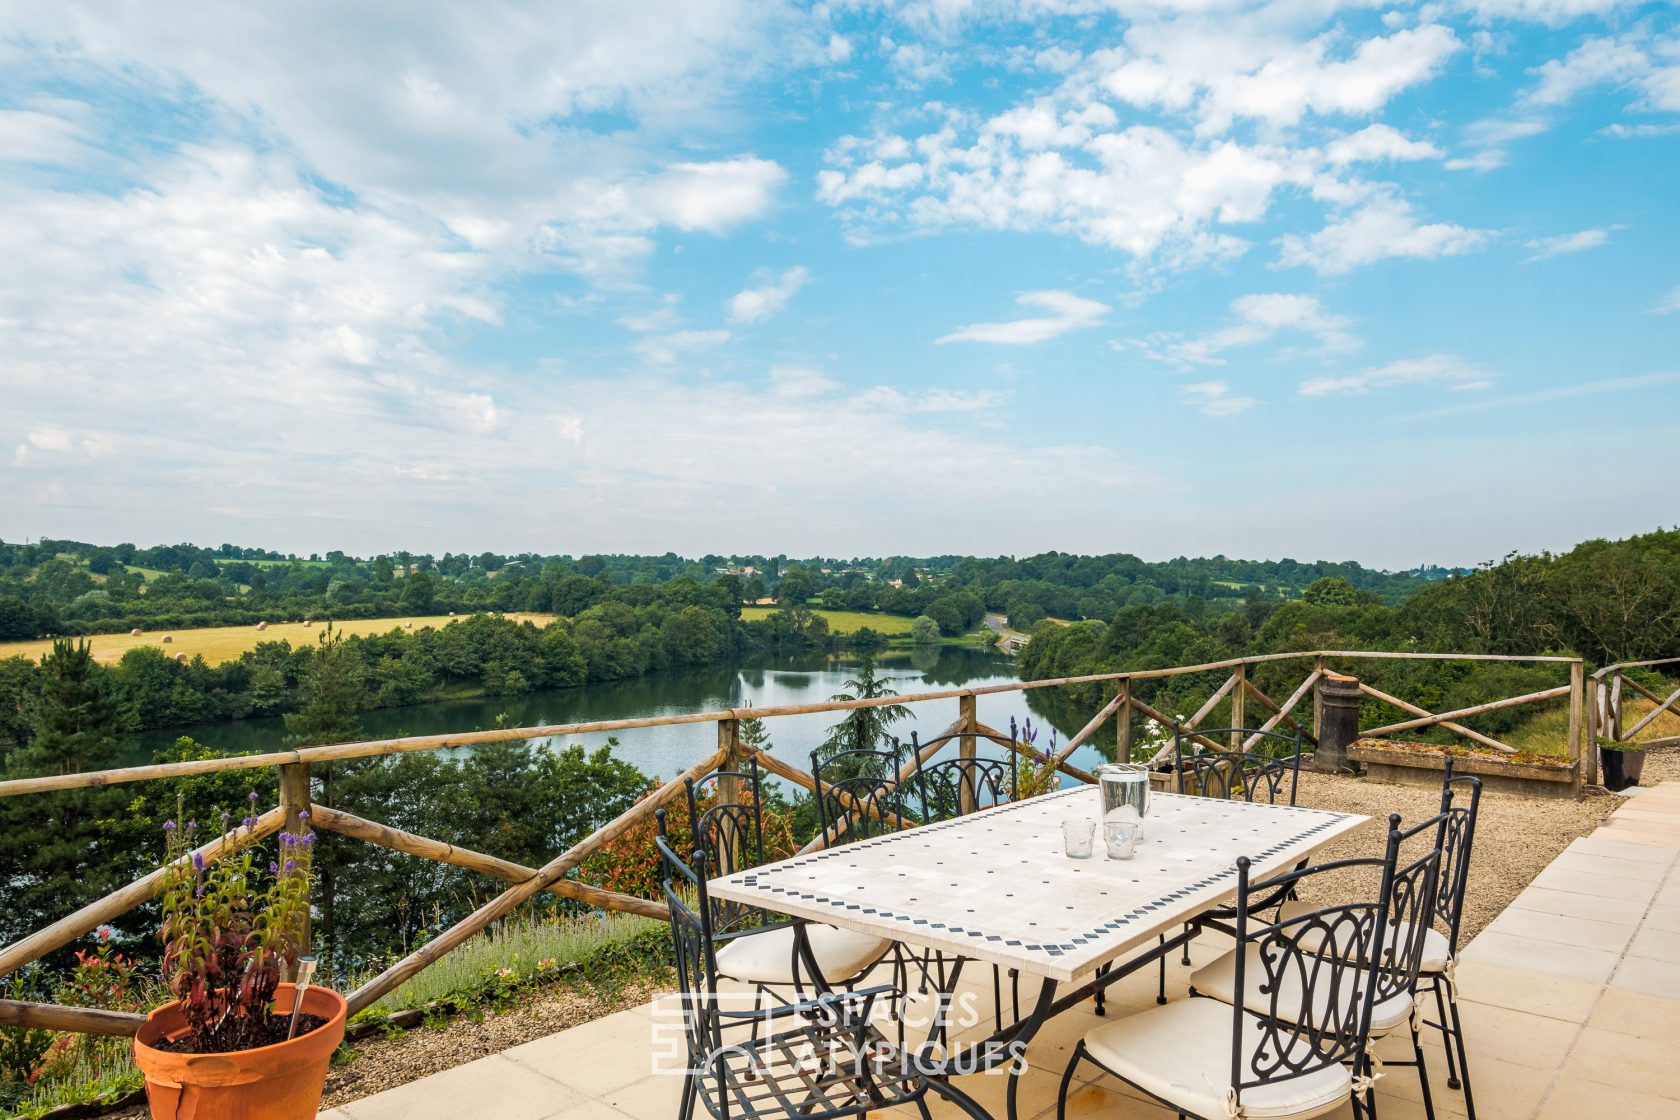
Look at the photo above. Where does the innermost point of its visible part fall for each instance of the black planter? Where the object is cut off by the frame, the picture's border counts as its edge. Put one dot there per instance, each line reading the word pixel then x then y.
pixel 1620 769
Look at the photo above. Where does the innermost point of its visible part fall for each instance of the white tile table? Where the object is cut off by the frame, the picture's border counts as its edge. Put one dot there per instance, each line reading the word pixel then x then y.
pixel 994 886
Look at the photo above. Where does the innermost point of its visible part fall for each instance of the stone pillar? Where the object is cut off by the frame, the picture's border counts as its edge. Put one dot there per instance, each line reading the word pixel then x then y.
pixel 1339 700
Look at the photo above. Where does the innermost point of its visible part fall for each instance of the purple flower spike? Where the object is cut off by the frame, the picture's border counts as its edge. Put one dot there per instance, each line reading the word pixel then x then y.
pixel 252 796
pixel 169 826
pixel 273 867
pixel 198 861
pixel 303 814
pixel 291 865
pixel 309 838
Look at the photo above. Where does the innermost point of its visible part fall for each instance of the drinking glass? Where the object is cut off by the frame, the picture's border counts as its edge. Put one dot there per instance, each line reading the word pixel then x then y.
pixel 1121 838
pixel 1125 792
pixel 1077 834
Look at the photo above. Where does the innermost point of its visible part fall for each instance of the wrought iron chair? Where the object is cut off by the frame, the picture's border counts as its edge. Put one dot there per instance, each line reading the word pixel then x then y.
pixel 859 794
pixel 755 946
pixel 1398 957
pixel 1246 774
pixel 950 787
pixel 1461 799
pixel 1298 1045
pixel 819 1059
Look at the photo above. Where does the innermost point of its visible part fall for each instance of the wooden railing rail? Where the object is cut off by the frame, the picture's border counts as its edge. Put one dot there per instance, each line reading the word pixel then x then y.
pixel 1591 698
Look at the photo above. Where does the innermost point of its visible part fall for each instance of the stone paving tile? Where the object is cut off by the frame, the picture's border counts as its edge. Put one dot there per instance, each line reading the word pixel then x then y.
pixel 1596 885
pixel 1550 958
pixel 1591 863
pixel 1621 849
pixel 597 1057
pixel 1551 996
pixel 1645 1065
pixel 1656 944
pixel 1665 918
pixel 1611 937
pixel 1573 1099
pixel 1655 978
pixel 1532 1041
pixel 1579 905
pixel 1629 1011
pixel 1631 836
pixel 518 1094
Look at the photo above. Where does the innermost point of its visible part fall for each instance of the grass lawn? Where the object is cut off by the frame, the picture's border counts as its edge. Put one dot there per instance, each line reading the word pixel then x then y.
pixel 225 643
pixel 842 622
pixel 1547 732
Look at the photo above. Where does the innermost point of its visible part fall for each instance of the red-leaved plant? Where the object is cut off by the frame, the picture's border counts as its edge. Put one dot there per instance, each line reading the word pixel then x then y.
pixel 230 930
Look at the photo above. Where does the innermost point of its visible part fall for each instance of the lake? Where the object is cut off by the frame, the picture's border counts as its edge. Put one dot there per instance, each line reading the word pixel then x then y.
pixel 667 750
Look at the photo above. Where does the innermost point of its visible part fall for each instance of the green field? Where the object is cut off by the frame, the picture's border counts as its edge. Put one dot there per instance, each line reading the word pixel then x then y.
pixel 217 644
pixel 842 622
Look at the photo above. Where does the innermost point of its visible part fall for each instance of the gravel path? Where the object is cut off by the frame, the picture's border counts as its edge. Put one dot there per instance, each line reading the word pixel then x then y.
pixel 1515 839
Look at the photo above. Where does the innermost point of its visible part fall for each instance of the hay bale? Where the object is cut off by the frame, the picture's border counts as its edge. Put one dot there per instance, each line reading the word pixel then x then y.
pixel 134 633
pixel 410 626
pixel 262 626
pixel 181 657
pixel 451 614
pixel 307 622
pixel 167 639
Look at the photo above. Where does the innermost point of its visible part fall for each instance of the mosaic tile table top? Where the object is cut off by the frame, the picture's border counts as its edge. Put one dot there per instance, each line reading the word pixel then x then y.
pixel 994 886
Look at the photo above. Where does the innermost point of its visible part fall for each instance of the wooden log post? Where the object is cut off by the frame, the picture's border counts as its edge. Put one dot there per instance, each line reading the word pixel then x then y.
pixel 1318 703
pixel 1239 706
pixel 968 712
pixel 1577 706
pixel 294 807
pixel 1589 733
pixel 1616 707
pixel 729 788
pixel 1123 721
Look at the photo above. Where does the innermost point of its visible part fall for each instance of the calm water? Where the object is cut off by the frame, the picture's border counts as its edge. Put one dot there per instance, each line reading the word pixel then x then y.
pixel 667 750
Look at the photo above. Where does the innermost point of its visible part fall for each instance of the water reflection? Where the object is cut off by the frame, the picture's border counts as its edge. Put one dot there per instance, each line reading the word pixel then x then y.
pixel 666 750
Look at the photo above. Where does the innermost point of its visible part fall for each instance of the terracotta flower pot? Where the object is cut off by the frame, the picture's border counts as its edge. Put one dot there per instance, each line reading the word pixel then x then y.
pixel 278 1082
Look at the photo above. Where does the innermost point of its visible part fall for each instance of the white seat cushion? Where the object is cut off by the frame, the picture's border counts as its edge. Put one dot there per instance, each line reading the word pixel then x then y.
pixel 1181 1053
pixel 1435 950
pixel 1219 980
pixel 767 958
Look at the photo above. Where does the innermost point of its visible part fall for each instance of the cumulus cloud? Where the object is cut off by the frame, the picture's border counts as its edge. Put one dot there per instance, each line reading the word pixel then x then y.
pixel 1577 242
pixel 1259 317
pixel 1066 312
pixel 667 348
pixel 1375 143
pixel 1436 369
pixel 794 383
pixel 1214 398
pixel 750 305
pixel 1383 228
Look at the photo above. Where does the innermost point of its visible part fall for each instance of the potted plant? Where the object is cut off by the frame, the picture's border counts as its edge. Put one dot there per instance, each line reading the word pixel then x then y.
pixel 1620 764
pixel 227 1047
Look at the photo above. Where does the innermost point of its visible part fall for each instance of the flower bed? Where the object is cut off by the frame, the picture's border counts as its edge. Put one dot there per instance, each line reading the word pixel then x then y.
pixel 1534 775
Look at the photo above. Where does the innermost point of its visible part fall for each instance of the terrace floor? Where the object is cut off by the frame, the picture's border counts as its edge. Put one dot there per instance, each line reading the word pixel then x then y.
pixel 1571 1001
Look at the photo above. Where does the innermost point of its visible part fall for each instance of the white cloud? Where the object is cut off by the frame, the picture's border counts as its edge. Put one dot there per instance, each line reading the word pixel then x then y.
pixel 1214 398
pixel 1669 304
pixel 1067 312
pixel 667 348
pixel 750 305
pixel 1378 142
pixel 1595 62
pixel 1553 12
pixel 1259 317
pixel 796 383
pixel 1576 242
pixel 1436 369
pixel 1383 228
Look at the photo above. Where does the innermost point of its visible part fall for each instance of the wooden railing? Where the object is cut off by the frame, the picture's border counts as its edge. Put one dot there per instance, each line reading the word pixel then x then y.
pixel 1605 693
pixel 293 772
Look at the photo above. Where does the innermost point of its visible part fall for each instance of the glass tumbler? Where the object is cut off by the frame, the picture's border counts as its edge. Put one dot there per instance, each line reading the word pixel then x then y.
pixel 1121 838
pixel 1077 834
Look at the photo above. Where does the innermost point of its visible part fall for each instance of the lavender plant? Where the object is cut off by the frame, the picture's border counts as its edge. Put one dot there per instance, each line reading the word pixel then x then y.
pixel 1036 773
pixel 232 928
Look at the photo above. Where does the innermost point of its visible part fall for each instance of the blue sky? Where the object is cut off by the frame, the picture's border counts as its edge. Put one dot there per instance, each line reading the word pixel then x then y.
pixel 1394 283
